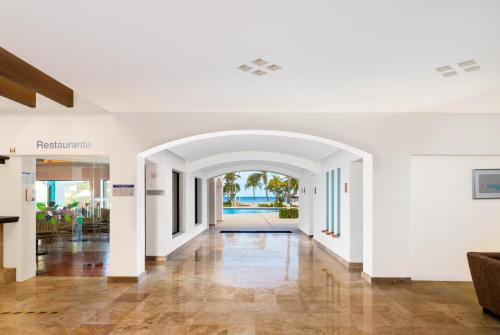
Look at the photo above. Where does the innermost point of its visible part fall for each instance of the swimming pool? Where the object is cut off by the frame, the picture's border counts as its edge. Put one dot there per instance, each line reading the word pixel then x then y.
pixel 230 211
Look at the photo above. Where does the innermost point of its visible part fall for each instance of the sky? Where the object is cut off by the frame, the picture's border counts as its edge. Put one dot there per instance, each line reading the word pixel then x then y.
pixel 249 193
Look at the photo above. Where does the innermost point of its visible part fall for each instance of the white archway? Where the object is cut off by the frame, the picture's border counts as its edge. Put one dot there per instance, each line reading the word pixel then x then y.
pixel 250 157
pixel 367 176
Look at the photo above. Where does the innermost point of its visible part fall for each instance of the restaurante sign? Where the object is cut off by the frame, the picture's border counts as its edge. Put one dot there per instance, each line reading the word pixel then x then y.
pixel 62 145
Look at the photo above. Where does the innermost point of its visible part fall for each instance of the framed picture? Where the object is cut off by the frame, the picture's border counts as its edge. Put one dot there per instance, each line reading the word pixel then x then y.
pixel 486 184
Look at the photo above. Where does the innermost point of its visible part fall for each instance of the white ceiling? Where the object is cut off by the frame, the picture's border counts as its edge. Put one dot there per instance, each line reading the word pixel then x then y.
pixel 265 143
pixel 337 56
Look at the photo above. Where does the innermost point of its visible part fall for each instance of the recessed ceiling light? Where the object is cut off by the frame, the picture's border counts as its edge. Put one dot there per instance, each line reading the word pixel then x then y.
pixel 472 68
pixel 449 74
pixel 260 62
pixel 259 72
pixel 274 67
pixel 444 68
pixel 245 68
pixel 467 63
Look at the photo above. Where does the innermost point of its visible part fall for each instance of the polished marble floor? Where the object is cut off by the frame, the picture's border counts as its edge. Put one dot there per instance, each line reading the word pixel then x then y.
pixel 242 284
pixel 257 221
pixel 63 257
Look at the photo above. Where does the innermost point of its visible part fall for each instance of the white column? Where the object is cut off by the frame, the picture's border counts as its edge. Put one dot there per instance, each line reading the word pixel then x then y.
pixel 157 220
pixel 16 176
pixel 127 240
pixel 219 199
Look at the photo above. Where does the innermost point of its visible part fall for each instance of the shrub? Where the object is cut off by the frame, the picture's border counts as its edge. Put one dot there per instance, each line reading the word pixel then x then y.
pixel 272 204
pixel 289 213
pixel 227 203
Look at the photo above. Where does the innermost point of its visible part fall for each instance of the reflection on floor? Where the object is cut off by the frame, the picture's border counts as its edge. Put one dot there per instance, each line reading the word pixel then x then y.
pixel 67 258
pixel 242 284
pixel 258 221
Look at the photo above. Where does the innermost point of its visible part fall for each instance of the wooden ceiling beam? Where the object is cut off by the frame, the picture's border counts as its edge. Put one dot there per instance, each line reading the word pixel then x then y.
pixel 17 93
pixel 24 74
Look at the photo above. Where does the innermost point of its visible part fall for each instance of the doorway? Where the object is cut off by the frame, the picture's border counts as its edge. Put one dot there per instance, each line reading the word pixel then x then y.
pixel 72 217
pixel 176 220
pixel 259 201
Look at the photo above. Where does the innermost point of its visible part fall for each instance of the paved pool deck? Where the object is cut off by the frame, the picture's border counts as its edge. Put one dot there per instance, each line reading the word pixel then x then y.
pixel 257 221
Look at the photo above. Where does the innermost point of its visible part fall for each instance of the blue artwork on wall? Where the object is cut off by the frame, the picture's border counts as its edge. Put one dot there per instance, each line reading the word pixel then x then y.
pixel 486 183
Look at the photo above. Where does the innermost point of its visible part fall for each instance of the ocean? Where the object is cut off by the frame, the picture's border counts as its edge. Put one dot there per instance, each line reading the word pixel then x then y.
pixel 251 199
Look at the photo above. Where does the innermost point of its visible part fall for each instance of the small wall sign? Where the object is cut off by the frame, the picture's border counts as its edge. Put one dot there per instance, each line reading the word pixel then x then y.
pixel 12 150
pixel 51 145
pixel 123 190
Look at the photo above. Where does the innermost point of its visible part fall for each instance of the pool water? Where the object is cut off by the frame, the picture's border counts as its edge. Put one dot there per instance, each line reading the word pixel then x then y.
pixel 231 211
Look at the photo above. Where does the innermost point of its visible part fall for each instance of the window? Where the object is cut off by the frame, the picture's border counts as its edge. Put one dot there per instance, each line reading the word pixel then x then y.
pixel 176 220
pixel 197 200
pixel 339 181
pixel 63 192
pixel 327 186
pixel 332 189
pixel 106 193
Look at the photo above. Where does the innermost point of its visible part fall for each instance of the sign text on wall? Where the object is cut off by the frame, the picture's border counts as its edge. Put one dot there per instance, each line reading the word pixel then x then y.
pixel 62 145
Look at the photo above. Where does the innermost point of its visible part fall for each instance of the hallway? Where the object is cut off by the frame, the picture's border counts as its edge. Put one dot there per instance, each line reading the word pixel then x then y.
pixel 242 284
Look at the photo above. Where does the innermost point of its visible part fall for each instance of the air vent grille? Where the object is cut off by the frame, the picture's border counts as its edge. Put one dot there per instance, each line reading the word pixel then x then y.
pixel 466 66
pixel 259 67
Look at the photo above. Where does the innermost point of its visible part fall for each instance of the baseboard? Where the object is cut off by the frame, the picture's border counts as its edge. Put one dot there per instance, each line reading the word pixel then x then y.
pixel 126 279
pixel 156 258
pixel 303 233
pixel 385 280
pixel 186 243
pixel 351 266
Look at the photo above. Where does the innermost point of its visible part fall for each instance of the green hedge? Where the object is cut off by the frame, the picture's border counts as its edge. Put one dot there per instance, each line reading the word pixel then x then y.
pixel 227 203
pixel 272 204
pixel 289 213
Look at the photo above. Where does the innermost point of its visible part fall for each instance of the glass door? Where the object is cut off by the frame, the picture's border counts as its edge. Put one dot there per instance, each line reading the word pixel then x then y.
pixel 72 220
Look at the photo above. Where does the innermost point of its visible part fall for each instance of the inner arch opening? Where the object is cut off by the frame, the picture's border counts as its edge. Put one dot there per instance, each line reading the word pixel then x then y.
pixel 177 198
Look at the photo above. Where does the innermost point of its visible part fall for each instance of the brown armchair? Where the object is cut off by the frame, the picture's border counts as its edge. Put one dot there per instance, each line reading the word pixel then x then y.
pixel 485 271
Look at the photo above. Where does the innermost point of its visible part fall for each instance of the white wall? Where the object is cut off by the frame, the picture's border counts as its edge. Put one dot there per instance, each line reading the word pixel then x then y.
pixel 446 222
pixel 17 253
pixel 340 245
pixel 391 138
pixel 159 239
pixel 306 190
pixel 355 192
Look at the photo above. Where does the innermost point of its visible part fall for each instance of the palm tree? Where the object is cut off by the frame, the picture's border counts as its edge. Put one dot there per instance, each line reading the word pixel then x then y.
pixel 231 187
pixel 288 188
pixel 292 188
pixel 253 181
pixel 263 176
pixel 295 186
pixel 278 187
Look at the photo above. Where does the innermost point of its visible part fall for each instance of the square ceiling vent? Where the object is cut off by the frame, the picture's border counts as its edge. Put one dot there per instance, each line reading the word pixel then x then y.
pixel 467 66
pixel 259 67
